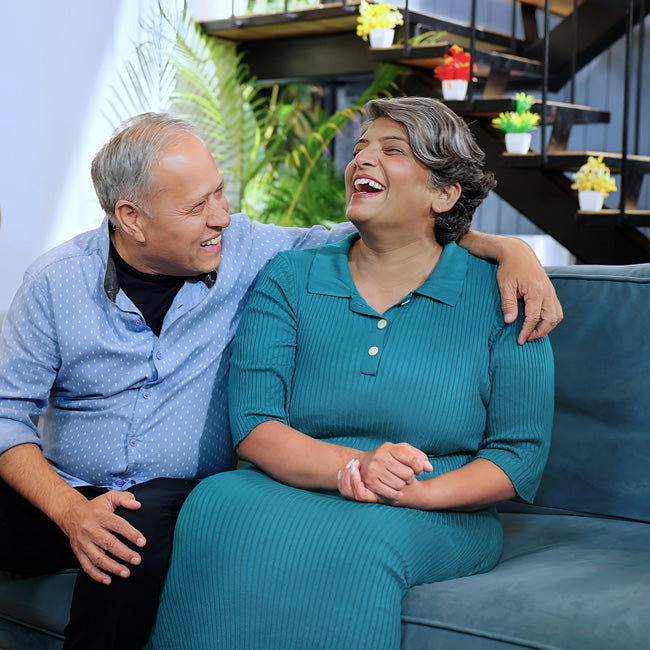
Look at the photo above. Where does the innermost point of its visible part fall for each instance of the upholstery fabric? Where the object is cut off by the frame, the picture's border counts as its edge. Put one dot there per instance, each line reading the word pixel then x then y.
pixel 600 453
pixel 564 583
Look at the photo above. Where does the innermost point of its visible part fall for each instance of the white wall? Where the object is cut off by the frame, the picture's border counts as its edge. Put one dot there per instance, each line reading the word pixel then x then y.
pixel 51 54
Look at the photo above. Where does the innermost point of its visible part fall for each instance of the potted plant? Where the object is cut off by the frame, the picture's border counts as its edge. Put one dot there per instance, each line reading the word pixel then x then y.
pixel 454 73
pixel 518 124
pixel 377 21
pixel 594 183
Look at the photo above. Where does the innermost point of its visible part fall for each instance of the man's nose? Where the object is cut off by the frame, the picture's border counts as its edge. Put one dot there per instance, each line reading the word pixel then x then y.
pixel 218 215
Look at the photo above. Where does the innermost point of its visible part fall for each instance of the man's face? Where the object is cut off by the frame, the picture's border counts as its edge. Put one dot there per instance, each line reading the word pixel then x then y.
pixel 189 211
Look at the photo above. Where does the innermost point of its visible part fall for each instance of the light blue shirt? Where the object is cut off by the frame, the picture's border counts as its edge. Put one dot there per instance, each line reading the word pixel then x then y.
pixel 121 406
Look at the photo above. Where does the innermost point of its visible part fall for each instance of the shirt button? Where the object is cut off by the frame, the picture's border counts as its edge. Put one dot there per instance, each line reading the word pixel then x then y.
pixel 382 323
pixel 119 482
pixel 159 355
pixel 373 350
pixel 133 442
pixel 138 321
pixel 145 394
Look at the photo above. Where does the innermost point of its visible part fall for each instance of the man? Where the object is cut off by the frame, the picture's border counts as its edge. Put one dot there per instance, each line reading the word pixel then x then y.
pixel 119 338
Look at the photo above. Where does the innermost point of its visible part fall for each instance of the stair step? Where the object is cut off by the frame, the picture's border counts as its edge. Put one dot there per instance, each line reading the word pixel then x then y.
pixel 489 108
pixel 560 7
pixel 326 19
pixel 572 160
pixel 609 218
pixel 430 56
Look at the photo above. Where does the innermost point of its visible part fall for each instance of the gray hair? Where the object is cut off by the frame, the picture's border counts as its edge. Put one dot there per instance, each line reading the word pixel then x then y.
pixel 121 170
pixel 442 141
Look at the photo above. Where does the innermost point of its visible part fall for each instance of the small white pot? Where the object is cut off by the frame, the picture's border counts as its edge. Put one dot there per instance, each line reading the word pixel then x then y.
pixel 454 88
pixel 590 200
pixel 518 142
pixel 381 37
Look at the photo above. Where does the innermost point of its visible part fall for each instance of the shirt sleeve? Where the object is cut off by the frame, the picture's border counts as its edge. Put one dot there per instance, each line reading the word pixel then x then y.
pixel 520 410
pixel 263 354
pixel 29 362
pixel 278 238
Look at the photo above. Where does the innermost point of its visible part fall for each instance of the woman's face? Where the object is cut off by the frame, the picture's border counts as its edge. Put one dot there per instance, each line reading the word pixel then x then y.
pixel 386 185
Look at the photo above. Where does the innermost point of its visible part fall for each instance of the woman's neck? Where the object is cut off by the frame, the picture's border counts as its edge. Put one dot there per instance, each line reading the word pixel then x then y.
pixel 385 272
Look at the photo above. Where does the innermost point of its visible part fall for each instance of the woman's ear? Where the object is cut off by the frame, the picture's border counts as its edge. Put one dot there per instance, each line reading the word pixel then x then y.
pixel 445 198
pixel 129 217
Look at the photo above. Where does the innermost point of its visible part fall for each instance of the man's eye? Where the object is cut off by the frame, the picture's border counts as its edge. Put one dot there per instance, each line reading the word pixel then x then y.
pixel 198 207
pixel 394 150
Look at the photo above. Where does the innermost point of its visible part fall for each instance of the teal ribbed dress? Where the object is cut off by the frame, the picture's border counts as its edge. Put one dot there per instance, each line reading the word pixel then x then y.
pixel 261 565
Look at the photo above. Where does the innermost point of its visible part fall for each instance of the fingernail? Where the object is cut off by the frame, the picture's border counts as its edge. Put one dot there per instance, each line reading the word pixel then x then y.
pixel 135 559
pixel 338 476
pixel 124 574
pixel 141 541
pixel 350 463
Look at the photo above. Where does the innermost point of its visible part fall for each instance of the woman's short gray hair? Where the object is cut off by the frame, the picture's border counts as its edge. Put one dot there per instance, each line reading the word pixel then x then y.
pixel 121 170
pixel 442 141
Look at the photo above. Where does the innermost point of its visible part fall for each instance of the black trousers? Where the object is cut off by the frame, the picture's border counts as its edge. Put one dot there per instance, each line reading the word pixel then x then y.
pixel 119 615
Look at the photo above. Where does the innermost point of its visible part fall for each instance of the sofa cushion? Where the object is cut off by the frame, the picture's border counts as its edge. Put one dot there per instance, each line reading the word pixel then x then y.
pixel 600 451
pixel 41 603
pixel 564 582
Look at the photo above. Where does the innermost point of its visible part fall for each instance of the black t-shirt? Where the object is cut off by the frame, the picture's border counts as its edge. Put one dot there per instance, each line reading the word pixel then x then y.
pixel 152 294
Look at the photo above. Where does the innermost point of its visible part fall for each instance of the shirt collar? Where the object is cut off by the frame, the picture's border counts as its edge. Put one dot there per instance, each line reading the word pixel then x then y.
pixel 330 274
pixel 111 284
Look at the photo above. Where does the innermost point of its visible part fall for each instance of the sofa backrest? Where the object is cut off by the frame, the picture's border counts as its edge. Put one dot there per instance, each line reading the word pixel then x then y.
pixel 600 452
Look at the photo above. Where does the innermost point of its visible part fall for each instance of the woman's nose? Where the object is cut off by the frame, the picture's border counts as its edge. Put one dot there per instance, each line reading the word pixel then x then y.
pixel 365 157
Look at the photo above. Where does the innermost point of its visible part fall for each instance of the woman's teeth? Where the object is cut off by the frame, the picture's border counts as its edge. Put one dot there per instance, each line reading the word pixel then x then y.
pixel 362 185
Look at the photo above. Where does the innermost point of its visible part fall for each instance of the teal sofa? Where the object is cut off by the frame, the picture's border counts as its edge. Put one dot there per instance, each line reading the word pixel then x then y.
pixel 575 571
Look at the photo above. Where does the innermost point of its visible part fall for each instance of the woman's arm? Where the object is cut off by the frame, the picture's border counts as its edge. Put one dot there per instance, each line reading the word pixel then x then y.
pixel 296 459
pixel 520 276
pixel 476 485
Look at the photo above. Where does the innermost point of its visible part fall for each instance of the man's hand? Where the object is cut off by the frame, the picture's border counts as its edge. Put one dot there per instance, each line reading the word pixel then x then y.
pixel 95 531
pixel 520 275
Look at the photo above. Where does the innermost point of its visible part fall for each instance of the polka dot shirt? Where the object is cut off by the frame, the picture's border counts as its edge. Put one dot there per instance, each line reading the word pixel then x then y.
pixel 121 406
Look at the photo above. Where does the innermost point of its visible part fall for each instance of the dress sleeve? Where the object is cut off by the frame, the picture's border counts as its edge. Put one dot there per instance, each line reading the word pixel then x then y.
pixel 29 362
pixel 520 410
pixel 263 353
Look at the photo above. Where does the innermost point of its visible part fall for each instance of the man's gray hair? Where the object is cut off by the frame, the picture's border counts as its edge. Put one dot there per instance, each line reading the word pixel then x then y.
pixel 121 170
pixel 442 141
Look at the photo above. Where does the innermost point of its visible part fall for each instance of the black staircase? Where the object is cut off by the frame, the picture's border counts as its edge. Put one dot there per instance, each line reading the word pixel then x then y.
pixel 320 44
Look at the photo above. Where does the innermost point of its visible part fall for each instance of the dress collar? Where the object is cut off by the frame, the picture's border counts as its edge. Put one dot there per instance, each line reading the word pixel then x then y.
pixel 330 274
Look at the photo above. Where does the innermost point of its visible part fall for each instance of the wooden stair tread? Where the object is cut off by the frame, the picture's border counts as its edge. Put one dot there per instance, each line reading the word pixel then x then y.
pixel 559 7
pixel 572 160
pixel 488 108
pixel 608 218
pixel 430 56
pixel 326 19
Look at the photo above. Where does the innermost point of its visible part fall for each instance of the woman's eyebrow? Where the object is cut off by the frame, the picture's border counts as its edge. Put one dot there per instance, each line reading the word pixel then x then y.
pixel 401 138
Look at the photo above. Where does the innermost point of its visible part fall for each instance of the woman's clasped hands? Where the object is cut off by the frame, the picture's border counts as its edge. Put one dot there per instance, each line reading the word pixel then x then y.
pixel 383 474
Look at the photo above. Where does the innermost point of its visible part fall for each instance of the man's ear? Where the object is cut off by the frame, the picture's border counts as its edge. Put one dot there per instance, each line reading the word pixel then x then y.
pixel 445 198
pixel 129 217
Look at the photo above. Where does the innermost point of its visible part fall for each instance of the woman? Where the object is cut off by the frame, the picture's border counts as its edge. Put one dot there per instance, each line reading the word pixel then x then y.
pixel 385 408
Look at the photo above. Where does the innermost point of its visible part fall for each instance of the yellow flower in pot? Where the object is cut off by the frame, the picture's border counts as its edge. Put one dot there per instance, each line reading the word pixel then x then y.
pixel 519 123
pixel 378 21
pixel 594 183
